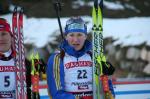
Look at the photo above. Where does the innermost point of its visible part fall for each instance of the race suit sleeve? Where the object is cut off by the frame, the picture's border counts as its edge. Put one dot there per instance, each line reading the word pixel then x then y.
pixel 55 80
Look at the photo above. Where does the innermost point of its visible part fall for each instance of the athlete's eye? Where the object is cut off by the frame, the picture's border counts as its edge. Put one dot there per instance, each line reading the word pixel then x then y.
pixel 3 33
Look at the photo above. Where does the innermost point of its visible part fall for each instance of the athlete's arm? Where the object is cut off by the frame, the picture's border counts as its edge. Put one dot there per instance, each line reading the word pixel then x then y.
pixel 55 82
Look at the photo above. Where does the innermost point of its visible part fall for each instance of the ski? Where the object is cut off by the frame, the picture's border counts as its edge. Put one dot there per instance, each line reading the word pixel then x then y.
pixel 22 53
pixel 100 81
pixel 17 28
pixel 97 30
pixel 16 46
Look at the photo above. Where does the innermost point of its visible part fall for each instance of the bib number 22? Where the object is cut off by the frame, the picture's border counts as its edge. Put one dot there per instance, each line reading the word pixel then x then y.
pixel 82 74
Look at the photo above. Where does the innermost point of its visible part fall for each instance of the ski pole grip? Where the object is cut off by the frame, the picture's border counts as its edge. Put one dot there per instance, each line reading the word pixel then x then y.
pixel 57 6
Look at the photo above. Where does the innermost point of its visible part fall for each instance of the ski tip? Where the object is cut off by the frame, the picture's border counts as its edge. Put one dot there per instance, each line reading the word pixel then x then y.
pixel 15 9
pixel 18 9
pixel 98 3
pixel 101 4
pixel 21 9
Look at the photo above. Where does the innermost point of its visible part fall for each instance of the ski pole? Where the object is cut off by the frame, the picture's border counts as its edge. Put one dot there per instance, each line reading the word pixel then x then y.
pixel 57 6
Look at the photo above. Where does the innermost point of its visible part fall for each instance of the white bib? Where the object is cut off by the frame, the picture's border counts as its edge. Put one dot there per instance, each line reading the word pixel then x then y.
pixel 78 73
pixel 8 79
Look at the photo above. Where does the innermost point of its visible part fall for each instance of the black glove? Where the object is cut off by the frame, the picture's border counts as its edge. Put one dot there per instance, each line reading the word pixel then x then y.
pixel 108 69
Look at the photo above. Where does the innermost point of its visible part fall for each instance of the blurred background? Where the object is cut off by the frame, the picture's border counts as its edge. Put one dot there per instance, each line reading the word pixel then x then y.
pixel 126 30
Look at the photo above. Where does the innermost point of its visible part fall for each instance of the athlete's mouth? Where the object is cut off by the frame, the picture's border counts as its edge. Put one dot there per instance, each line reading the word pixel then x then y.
pixel 76 44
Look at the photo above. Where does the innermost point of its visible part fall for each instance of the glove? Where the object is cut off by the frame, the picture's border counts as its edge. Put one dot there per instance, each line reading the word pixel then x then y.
pixel 108 69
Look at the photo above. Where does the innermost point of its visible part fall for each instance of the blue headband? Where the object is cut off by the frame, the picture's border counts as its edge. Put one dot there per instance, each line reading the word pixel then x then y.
pixel 75 25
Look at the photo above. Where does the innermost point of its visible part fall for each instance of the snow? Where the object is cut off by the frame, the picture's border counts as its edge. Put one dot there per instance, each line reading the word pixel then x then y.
pixel 113 6
pixel 129 31
pixel 126 31
pixel 109 5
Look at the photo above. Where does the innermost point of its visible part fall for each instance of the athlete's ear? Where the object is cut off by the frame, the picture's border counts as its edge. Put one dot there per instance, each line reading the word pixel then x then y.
pixel 85 37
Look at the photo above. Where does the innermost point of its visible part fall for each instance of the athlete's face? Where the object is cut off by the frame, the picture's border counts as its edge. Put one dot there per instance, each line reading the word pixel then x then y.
pixel 76 39
pixel 5 41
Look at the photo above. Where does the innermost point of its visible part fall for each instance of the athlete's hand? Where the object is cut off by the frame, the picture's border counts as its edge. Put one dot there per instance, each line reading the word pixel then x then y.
pixel 108 69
